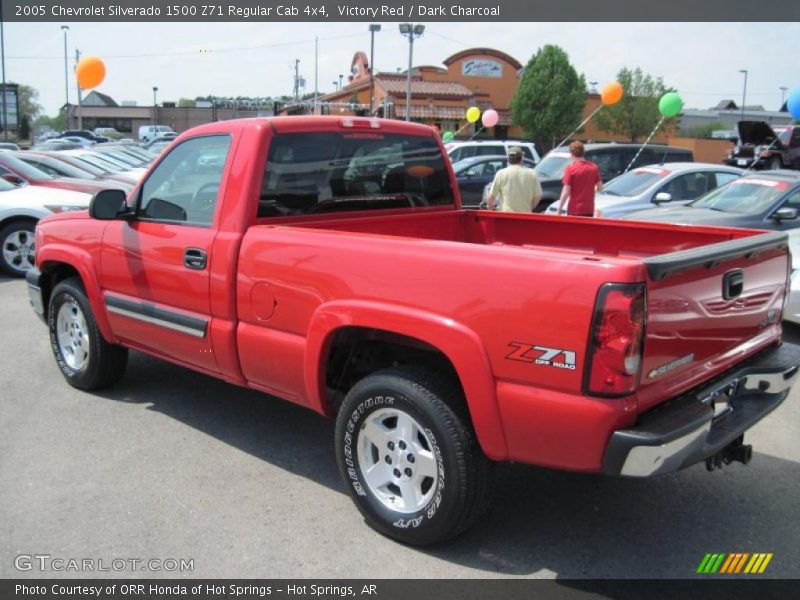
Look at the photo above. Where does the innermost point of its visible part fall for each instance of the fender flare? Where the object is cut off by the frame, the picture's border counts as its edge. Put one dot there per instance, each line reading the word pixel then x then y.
pixel 462 347
pixel 81 261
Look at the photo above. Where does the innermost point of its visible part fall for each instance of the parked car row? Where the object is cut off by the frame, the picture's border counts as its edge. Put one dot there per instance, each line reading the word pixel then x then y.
pixel 58 178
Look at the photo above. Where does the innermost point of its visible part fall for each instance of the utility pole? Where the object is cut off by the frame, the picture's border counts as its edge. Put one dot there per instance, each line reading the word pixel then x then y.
pixel 316 72
pixel 80 94
pixel 372 29
pixel 65 29
pixel 296 79
pixel 3 60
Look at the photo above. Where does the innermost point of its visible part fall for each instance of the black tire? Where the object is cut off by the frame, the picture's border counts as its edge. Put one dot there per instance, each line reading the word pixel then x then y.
pixel 95 363
pixel 17 252
pixel 461 490
pixel 775 163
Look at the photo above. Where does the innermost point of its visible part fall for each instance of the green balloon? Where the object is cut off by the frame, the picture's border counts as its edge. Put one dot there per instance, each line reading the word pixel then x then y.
pixel 448 136
pixel 670 104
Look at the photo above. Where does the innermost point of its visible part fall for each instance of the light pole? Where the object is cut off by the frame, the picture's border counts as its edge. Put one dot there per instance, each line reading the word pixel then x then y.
pixel 335 85
pixel 744 90
pixel 155 109
pixel 372 29
pixel 410 31
pixel 783 90
pixel 340 81
pixel 65 29
pixel 3 60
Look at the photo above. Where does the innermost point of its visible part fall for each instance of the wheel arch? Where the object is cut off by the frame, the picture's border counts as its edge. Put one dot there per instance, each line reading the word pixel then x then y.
pixel 422 331
pixel 57 263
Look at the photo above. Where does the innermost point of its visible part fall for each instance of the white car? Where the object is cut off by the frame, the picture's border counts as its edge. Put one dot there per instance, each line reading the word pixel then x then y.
pixel 792 311
pixel 151 132
pixel 20 209
pixel 460 150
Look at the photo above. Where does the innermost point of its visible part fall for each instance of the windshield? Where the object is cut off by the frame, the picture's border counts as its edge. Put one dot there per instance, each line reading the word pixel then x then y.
pixel 743 196
pixel 106 160
pixel 85 164
pixel 27 170
pixel 635 182
pixel 122 157
pixel 56 167
pixel 553 165
pixel 326 172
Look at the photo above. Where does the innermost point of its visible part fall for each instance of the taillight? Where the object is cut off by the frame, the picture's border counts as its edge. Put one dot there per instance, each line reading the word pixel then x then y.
pixel 614 356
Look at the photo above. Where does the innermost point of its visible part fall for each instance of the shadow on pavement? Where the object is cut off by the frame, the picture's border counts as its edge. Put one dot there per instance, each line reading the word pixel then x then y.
pixel 574 525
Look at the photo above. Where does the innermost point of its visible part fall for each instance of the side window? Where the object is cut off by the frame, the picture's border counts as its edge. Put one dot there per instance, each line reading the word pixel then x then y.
pixel 49 170
pixel 527 152
pixel 486 150
pixel 687 187
pixel 722 179
pixel 610 163
pixel 647 156
pixel 185 185
pixel 792 201
pixel 456 155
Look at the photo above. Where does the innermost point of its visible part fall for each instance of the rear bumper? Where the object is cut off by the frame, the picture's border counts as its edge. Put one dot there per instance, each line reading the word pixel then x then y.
pixel 33 278
pixel 686 430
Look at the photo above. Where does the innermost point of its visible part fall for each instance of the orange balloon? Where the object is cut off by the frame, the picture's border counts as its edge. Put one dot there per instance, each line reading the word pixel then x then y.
pixel 90 72
pixel 612 93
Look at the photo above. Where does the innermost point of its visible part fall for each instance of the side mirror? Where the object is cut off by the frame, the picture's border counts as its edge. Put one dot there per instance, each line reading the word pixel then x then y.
pixel 107 205
pixel 785 214
pixel 15 179
pixel 662 197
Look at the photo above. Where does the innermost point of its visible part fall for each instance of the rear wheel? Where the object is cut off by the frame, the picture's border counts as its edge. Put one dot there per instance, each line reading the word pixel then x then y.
pixel 86 360
pixel 19 252
pixel 409 457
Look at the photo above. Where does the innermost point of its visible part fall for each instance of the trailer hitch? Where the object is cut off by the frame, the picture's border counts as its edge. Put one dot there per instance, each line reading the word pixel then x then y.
pixel 736 451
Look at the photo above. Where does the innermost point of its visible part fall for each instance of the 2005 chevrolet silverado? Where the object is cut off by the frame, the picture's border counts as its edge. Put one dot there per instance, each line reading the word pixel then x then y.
pixel 327 261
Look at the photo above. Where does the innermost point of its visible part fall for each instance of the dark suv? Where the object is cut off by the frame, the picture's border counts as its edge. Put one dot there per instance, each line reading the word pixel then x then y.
pixel 758 147
pixel 612 159
pixel 87 135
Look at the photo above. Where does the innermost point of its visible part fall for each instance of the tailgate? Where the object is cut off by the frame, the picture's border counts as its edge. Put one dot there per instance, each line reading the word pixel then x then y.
pixel 709 308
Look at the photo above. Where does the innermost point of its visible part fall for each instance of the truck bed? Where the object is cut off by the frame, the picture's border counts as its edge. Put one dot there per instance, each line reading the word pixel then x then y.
pixel 590 237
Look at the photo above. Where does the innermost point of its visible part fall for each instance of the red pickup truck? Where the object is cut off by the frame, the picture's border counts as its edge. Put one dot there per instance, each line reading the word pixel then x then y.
pixel 327 261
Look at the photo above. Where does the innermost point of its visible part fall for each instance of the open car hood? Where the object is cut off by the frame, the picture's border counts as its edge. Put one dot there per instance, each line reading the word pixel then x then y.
pixel 756 133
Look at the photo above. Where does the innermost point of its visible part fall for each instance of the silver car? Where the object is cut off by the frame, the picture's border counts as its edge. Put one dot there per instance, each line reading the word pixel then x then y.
pixel 792 310
pixel 669 184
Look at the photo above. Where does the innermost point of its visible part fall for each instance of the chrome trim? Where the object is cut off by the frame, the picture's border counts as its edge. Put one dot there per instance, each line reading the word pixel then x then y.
pixel 774 383
pixel 155 321
pixel 643 461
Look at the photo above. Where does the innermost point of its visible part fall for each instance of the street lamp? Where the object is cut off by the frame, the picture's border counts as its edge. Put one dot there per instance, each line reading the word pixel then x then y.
pixel 372 29
pixel 155 109
pixel 410 31
pixel 783 90
pixel 335 85
pixel 65 29
pixel 340 80
pixel 744 90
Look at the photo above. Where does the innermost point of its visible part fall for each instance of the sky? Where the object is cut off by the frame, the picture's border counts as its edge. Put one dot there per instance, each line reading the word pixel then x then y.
pixel 701 60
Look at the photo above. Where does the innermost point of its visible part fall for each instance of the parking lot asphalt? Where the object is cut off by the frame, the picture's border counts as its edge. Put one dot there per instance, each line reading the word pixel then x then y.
pixel 171 464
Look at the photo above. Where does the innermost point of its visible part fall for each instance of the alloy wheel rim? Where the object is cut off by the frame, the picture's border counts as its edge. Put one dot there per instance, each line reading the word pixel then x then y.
pixel 72 335
pixel 396 458
pixel 19 251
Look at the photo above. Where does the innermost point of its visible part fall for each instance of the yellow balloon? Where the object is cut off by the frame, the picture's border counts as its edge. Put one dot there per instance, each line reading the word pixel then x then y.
pixel 473 114
pixel 612 93
pixel 90 72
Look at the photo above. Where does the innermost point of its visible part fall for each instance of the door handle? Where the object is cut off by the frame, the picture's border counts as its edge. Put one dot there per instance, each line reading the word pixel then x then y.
pixel 195 258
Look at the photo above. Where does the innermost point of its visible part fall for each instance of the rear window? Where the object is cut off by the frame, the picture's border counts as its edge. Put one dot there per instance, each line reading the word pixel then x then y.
pixel 635 182
pixel 332 172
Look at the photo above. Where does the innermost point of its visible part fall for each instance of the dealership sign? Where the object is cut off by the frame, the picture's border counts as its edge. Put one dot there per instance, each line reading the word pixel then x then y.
pixel 481 68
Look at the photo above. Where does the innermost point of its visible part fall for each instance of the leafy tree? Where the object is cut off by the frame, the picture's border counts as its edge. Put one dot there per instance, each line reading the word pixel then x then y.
pixel 186 103
pixel 29 103
pixel 637 113
pixel 24 131
pixel 550 97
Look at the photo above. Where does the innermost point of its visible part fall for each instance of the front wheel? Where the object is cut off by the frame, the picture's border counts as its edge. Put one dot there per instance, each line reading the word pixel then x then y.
pixel 86 360
pixel 409 457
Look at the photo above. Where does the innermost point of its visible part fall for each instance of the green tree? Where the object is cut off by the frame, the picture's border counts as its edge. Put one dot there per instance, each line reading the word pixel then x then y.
pixel 636 114
pixel 29 103
pixel 550 97
pixel 186 103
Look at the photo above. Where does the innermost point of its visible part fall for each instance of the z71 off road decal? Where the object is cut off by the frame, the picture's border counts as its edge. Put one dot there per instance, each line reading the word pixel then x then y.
pixel 541 355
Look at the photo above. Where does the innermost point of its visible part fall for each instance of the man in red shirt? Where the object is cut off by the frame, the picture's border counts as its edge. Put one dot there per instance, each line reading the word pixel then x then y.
pixel 581 179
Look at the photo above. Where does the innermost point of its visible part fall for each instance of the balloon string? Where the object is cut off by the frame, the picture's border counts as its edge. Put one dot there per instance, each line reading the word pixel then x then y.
pixel 477 131
pixel 586 120
pixel 647 141
pixel 755 160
